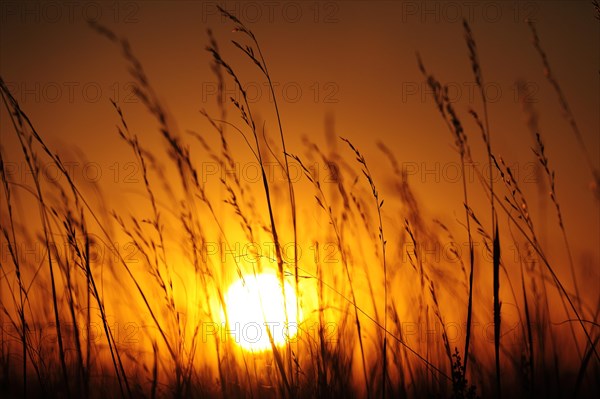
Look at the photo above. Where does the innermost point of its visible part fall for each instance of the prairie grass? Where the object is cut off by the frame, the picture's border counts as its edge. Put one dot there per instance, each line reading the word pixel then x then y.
pixel 380 318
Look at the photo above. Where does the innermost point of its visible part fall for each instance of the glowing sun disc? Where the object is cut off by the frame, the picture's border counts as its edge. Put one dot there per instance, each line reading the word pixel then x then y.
pixel 257 303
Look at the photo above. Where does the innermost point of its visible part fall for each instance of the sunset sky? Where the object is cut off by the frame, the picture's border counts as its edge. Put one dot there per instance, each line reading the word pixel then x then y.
pixel 339 69
pixel 354 61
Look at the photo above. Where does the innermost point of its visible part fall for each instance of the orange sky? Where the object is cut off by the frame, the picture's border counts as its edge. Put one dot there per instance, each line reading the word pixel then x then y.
pixel 353 60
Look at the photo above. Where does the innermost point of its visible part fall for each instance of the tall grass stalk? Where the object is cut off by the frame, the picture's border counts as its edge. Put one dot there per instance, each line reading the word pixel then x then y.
pixel 477 73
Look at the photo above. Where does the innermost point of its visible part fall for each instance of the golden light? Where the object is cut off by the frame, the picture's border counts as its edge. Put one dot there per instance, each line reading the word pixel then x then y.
pixel 256 304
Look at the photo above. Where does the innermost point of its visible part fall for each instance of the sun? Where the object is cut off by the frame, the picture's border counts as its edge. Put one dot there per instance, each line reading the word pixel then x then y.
pixel 255 304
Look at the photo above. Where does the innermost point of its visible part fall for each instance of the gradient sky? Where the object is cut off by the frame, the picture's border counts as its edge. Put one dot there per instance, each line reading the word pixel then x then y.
pixel 352 60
